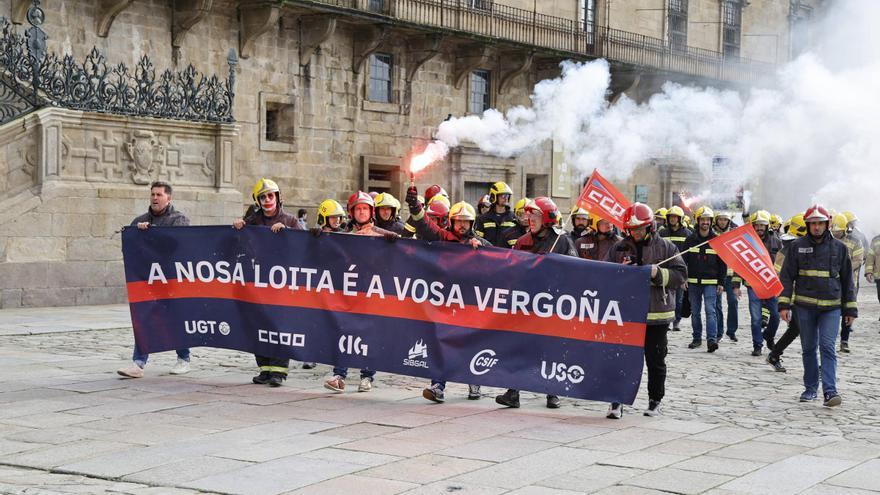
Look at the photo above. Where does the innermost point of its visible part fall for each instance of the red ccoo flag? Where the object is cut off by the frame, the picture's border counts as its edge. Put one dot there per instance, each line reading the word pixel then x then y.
pixel 744 252
pixel 602 199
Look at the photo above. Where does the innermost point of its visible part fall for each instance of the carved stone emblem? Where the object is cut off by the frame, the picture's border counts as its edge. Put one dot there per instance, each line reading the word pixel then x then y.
pixel 143 149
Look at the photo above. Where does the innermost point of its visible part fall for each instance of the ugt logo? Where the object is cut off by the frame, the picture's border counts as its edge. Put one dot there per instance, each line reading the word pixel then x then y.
pixel 349 344
pixel 752 259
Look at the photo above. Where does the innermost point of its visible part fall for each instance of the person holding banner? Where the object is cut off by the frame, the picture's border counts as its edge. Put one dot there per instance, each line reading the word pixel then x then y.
pixel 676 233
pixel 268 210
pixel 499 218
pixel 596 245
pixel 161 213
pixel 817 279
pixel 706 274
pixel 544 236
pixel 642 246
pixel 511 235
pixel 387 208
pixel 760 220
pixel 580 223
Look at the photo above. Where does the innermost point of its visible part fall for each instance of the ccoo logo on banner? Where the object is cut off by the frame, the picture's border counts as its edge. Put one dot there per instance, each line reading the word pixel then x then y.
pixel 558 325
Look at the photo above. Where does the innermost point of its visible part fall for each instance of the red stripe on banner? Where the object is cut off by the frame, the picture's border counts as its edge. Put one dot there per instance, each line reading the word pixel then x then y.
pixel 632 334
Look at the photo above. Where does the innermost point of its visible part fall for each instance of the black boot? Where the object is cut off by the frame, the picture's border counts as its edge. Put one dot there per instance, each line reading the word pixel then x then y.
pixel 775 362
pixel 262 378
pixel 712 346
pixel 276 379
pixel 509 398
pixel 756 351
pixel 695 343
pixel 552 402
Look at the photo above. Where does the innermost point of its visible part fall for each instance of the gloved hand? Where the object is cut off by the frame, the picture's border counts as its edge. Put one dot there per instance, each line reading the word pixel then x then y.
pixel 391 237
pixel 316 231
pixel 412 200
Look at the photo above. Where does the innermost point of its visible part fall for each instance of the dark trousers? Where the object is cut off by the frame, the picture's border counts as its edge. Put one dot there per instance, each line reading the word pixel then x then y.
pixel 273 365
pixel 791 333
pixel 655 360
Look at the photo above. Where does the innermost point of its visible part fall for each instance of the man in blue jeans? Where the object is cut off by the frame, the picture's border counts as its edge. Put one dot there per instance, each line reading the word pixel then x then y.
pixel 723 223
pixel 706 274
pixel 817 278
pixel 761 222
pixel 676 233
pixel 161 213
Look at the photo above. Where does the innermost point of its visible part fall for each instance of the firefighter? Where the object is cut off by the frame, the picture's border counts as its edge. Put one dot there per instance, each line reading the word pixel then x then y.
pixel 522 224
pixel 435 190
pixel 161 213
pixel 817 280
pixel 437 211
pixel 775 224
pixel 484 205
pixel 544 236
pixel 676 233
pixel 793 229
pixel 642 246
pixel 596 245
pixel 460 229
pixel 361 210
pixel 580 223
pixel 268 210
pixel 852 229
pixel 706 273
pixel 760 220
pixel 387 208
pixel 839 227
pixel 872 264
pixel 723 223
pixel 660 217
pixel 499 218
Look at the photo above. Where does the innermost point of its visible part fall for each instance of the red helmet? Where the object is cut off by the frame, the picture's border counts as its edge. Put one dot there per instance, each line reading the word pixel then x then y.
pixel 817 213
pixel 360 198
pixel 434 191
pixel 638 215
pixel 548 209
pixel 439 212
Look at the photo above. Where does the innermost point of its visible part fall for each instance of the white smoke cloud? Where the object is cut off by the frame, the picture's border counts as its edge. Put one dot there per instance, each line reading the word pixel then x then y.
pixel 812 136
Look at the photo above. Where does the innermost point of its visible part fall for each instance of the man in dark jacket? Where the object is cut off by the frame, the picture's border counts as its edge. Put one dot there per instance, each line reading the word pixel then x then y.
pixel 544 236
pixel 268 211
pixel 387 208
pixel 161 213
pixel 706 274
pixel 512 234
pixel 642 246
pixel 817 279
pixel 597 244
pixel 676 233
pixel 723 224
pixel 499 218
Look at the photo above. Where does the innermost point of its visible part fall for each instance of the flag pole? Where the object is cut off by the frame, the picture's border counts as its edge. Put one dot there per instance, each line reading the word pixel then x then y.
pixel 680 253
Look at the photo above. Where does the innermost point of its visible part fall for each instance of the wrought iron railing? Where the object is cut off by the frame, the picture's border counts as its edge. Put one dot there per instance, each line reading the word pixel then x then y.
pixel 28 71
pixel 503 22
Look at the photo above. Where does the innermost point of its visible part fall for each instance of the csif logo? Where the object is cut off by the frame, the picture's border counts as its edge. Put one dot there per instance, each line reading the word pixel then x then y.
pixel 418 350
pixel 205 327
pixel 349 344
pixel 562 372
pixel 483 362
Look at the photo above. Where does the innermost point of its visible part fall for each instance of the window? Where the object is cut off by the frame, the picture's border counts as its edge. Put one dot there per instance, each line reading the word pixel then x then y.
pixel 480 97
pixel 376 6
pixel 678 22
pixel 480 4
pixel 587 11
pixel 380 78
pixel 641 195
pixel 382 174
pixel 474 191
pixel 732 27
pixel 537 185
pixel 279 123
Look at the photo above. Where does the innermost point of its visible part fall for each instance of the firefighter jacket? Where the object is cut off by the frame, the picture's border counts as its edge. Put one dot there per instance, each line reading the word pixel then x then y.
pixel 542 245
pixel 818 274
pixel 773 244
pixel 595 246
pixel 575 235
pixel 430 231
pixel 512 234
pixel 491 225
pixel 730 226
pixel 256 217
pixel 168 218
pixel 392 225
pixel 676 237
pixel 856 253
pixel 409 228
pixel 704 265
pixel 670 276
pixel 872 261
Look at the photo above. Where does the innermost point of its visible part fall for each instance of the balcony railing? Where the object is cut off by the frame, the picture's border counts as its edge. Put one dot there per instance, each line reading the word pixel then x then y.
pixel 492 20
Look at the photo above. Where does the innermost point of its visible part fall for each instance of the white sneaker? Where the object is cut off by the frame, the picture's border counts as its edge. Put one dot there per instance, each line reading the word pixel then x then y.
pixel 615 411
pixel 132 371
pixel 180 367
pixel 366 385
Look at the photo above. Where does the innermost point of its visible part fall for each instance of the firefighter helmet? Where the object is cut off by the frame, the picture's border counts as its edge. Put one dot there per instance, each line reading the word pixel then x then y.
pixel 817 213
pixel 520 206
pixel 760 217
pixel 686 221
pixel 838 223
pixel 851 217
pixel 498 189
pixel 439 198
pixel 723 214
pixel 577 211
pixel 547 208
pixel 484 201
pixel 360 198
pixel 594 222
pixel 798 226
pixel 462 211
pixel 640 215
pixel 660 213
pixel 435 190
pixel 704 212
pixel 775 221
pixel 438 211
pixel 388 201
pixel 262 187
pixel 329 208
pixel 675 211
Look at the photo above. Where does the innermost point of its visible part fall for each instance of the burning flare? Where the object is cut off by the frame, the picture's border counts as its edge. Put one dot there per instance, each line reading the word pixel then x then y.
pixel 436 150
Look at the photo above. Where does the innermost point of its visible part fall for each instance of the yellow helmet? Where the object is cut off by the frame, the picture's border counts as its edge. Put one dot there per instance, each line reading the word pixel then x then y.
pixel 440 198
pixel 704 212
pixel 329 208
pixel 677 211
pixel 851 217
pixel 660 212
pixel 760 217
pixel 462 211
pixel 578 211
pixel 775 221
pixel 388 201
pixel 262 187
pixel 838 223
pixel 723 214
pixel 520 206
pixel 497 189
pixel 797 225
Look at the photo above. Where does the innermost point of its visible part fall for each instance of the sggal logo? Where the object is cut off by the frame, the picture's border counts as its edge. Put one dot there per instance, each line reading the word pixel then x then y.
pixel 418 350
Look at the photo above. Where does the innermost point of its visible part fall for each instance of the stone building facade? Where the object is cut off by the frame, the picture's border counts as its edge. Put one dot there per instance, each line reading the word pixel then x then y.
pixel 331 96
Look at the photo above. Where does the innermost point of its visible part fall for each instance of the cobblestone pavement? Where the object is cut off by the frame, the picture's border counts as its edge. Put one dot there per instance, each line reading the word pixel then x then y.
pixel 730 425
